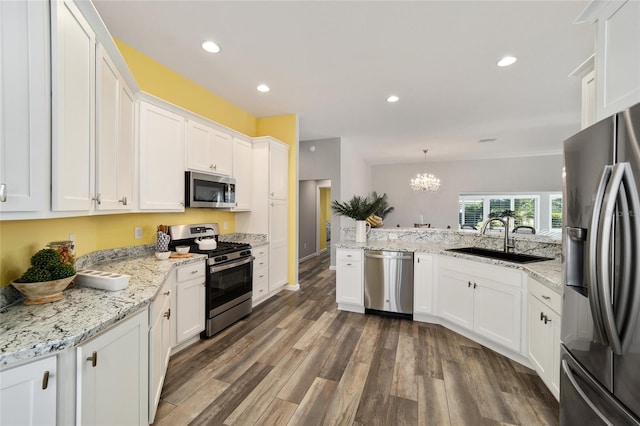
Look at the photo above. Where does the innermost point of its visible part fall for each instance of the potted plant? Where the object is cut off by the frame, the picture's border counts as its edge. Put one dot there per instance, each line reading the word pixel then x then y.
pixel 47 277
pixel 359 209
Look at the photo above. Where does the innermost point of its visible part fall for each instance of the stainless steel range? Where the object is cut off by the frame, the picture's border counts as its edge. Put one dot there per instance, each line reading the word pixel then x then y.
pixel 229 282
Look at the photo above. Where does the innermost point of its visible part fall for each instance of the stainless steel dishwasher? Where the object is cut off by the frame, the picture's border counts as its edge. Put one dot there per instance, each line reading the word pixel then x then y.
pixel 388 282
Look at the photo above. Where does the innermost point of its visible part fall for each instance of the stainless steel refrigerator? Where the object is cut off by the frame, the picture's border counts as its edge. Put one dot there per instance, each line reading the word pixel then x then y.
pixel 600 361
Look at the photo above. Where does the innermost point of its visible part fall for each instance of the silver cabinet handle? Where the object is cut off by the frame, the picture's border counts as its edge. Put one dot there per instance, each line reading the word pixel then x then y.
pixel 546 297
pixel 3 193
pixel 123 200
pixel 195 271
pixel 97 199
pixel 45 380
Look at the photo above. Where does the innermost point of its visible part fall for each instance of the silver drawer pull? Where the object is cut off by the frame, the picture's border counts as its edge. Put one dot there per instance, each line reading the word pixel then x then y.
pixel 45 380
pixel 194 271
pixel 546 297
pixel 93 358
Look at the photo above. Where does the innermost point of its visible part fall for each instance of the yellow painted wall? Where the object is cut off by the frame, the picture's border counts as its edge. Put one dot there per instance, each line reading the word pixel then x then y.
pixel 19 240
pixel 285 128
pixel 325 215
pixel 164 83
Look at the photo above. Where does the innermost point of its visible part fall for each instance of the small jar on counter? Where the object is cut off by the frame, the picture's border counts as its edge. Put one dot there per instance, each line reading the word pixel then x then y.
pixel 67 250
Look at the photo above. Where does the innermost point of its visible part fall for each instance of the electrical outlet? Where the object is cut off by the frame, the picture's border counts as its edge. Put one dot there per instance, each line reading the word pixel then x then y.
pixel 305 245
pixel 393 236
pixel 225 225
pixel 72 237
pixel 137 232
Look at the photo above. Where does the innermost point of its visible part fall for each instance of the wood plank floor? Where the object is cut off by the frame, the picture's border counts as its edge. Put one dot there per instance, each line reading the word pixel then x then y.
pixel 297 360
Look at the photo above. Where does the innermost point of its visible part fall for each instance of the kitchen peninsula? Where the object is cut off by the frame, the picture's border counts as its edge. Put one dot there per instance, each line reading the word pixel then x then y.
pixel 512 308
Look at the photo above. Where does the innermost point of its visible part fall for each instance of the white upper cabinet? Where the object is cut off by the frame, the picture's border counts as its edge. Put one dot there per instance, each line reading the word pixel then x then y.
pixel 73 106
pixel 278 171
pixel 209 150
pixel 25 120
pixel 242 172
pixel 161 159
pixel 617 56
pixel 115 148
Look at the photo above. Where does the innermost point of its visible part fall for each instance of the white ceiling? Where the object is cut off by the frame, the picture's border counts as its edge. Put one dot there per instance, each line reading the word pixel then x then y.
pixel 335 62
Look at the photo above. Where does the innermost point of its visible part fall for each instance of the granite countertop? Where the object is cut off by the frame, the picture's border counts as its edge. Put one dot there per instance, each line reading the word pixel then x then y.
pixel 30 331
pixel 254 240
pixel 548 273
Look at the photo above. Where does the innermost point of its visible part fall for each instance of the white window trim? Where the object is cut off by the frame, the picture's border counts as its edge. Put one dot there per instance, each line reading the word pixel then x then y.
pixel 551 197
pixel 537 196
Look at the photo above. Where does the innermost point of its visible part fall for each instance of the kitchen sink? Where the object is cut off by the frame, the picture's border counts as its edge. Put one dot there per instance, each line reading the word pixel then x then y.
pixel 497 254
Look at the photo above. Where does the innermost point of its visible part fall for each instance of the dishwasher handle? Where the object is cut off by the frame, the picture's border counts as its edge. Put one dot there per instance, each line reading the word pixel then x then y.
pixel 383 256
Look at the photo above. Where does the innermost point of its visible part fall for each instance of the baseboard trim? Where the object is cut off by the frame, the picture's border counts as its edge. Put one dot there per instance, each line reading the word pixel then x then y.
pixel 290 287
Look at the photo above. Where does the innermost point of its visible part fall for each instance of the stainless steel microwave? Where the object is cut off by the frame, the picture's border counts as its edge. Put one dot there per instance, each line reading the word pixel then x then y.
pixel 209 191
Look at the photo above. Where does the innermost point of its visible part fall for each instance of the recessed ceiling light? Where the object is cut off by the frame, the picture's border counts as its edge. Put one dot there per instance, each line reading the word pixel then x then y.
pixel 506 61
pixel 211 47
pixel 263 88
pixel 393 98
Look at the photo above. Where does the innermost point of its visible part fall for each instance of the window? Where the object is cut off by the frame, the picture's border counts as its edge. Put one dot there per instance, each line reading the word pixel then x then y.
pixel 542 210
pixel 471 212
pixel 526 209
pixel 556 212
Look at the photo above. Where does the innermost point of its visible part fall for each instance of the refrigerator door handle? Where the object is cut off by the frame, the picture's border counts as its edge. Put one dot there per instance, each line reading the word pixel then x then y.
pixel 628 312
pixel 592 258
pixel 581 392
pixel 605 226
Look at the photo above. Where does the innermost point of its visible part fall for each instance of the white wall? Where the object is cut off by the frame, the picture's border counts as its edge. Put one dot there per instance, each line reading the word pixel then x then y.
pixel 523 174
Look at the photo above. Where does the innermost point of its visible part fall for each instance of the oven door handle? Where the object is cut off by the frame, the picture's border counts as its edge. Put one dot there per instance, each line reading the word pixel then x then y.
pixel 230 265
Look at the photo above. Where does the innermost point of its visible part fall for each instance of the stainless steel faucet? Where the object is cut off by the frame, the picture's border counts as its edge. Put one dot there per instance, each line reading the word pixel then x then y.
pixel 509 245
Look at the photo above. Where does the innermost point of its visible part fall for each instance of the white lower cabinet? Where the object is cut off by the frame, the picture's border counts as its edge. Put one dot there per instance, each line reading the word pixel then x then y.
pixel 423 285
pixel 159 344
pixel 112 376
pixel 350 280
pixel 28 393
pixel 485 299
pixel 544 334
pixel 189 302
pixel 260 274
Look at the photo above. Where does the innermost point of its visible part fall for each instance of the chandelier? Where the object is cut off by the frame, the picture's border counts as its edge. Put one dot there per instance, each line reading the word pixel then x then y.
pixel 425 181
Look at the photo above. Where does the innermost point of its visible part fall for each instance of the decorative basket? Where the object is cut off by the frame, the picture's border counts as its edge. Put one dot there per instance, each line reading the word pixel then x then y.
pixel 44 291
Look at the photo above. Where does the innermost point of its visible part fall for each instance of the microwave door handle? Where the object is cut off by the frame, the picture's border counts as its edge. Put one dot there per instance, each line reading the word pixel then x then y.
pixel 604 258
pixel 631 260
pixel 591 257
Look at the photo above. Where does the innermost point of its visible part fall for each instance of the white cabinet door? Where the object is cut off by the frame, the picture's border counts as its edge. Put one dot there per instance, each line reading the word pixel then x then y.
pixel 190 302
pixel 350 278
pixel 278 244
pixel 28 393
pixel 278 171
pixel 112 377
pixel 208 150
pixel 618 57
pixel 242 170
pixel 540 338
pixel 423 284
pixel 159 352
pixel 455 297
pixel 73 108
pixel 25 107
pixel 222 153
pixel 161 159
pixel 114 137
pixel 497 312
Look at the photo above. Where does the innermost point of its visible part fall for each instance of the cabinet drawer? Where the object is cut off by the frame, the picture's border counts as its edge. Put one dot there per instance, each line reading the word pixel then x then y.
pixel 547 296
pixel 349 255
pixel 261 261
pixel 189 272
pixel 158 302
pixel 260 283
pixel 261 251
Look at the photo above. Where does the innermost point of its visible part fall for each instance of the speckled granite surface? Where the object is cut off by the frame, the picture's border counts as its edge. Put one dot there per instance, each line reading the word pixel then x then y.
pixel 547 273
pixel 255 240
pixel 30 331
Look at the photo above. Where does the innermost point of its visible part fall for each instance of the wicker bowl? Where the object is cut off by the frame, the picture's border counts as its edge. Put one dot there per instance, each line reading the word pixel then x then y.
pixel 44 291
